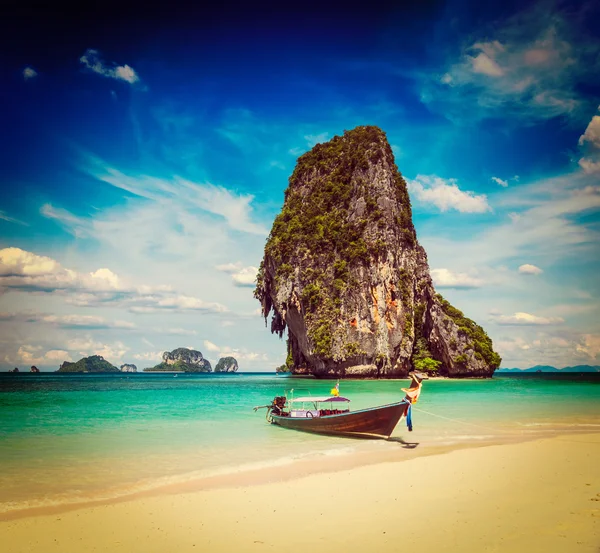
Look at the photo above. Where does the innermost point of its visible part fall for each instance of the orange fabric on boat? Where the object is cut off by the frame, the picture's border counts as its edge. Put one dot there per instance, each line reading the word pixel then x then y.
pixel 413 393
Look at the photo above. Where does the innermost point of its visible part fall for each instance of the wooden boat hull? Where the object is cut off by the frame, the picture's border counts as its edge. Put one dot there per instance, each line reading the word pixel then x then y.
pixel 376 422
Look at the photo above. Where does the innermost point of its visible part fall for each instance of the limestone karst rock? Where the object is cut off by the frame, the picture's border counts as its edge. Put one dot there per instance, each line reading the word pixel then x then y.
pixel 226 365
pixel 183 359
pixel 344 273
pixel 128 368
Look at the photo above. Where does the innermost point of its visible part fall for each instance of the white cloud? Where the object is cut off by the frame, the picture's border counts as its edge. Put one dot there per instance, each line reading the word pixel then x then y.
pixel 5 217
pixel 589 166
pixel 72 321
pixel 589 142
pixel 542 218
pixel 530 65
pixel 17 262
pixel 77 226
pixel 210 346
pixel 592 133
pixel 313 139
pixel 126 73
pixel 241 354
pixel 246 277
pixel 526 319
pixel 188 303
pixel 566 348
pixel 87 346
pixel 32 355
pixel 444 278
pixel 176 331
pixel 482 63
pixel 21 269
pixel 590 346
pixel 149 356
pixel 29 73
pixel 230 267
pixel 509 346
pixel 235 209
pixel 445 195
pixel 240 275
pixel 25 271
pixel 86 321
pixel 528 269
pixel 91 59
pixel 503 183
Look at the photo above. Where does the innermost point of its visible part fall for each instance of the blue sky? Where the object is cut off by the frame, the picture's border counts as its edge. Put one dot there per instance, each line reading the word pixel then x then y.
pixel 145 153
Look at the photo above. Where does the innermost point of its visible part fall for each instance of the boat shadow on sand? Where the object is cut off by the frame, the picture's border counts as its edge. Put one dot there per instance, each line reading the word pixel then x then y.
pixel 403 443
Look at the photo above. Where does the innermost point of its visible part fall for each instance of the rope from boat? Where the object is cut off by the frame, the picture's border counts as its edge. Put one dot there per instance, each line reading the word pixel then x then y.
pixel 462 422
pixel 555 437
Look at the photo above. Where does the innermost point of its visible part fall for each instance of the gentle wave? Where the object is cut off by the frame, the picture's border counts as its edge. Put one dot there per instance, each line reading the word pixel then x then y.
pixel 146 485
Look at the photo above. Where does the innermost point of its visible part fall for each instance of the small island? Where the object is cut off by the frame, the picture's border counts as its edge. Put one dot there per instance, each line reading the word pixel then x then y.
pixel 226 365
pixel 182 360
pixel 91 364
pixel 128 368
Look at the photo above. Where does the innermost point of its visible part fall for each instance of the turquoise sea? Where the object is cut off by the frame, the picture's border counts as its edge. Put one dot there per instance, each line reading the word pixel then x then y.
pixel 75 438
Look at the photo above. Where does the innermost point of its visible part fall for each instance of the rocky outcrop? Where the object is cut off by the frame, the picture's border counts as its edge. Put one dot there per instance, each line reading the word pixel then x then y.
pixel 226 365
pixel 34 369
pixel 128 368
pixel 184 360
pixel 344 274
pixel 91 364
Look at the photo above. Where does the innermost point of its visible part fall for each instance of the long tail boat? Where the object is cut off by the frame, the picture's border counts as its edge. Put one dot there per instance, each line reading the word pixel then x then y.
pixel 331 414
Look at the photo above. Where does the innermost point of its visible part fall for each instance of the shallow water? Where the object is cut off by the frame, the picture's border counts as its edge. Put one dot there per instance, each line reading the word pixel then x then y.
pixel 69 438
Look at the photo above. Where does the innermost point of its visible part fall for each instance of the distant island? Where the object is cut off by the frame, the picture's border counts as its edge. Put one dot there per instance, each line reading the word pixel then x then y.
pixel 182 360
pixel 226 365
pixel 192 361
pixel 550 369
pixel 179 360
pixel 91 364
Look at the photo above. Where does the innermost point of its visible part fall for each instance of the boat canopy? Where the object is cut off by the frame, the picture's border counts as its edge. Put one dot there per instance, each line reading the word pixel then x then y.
pixel 319 399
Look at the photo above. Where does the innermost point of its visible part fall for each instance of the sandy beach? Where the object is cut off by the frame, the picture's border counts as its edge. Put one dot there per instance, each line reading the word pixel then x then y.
pixel 533 496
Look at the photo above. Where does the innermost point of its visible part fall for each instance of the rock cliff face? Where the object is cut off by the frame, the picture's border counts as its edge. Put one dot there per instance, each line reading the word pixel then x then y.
pixel 344 273
pixel 128 368
pixel 226 365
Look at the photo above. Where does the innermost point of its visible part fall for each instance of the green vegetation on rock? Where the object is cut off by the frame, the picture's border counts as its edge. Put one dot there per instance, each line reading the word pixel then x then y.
pixel 422 359
pixel 226 365
pixel 479 341
pixel 177 366
pixel 91 364
pixel 182 360
pixel 315 229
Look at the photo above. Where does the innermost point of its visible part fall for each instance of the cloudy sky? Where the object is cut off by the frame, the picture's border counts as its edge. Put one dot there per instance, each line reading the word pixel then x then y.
pixel 145 153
